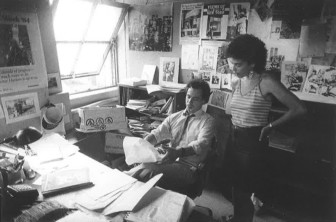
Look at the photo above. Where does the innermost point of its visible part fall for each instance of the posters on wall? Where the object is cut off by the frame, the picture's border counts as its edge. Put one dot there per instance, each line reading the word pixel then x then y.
pixel 189 56
pixel 150 28
pixel 207 65
pixel 293 75
pixel 20 107
pixel 321 81
pixel 215 21
pixel 22 64
pixel 190 23
pixel 238 19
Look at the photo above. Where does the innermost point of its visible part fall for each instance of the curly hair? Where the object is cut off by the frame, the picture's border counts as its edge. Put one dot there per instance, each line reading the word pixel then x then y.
pixel 200 84
pixel 250 49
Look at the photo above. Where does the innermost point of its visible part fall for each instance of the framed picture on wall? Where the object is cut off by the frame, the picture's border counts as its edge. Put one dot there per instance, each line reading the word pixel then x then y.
pixel 54 83
pixel 20 107
pixel 169 71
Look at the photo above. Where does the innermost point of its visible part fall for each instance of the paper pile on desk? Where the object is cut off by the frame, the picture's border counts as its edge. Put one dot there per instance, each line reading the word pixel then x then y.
pixel 138 150
pixel 52 147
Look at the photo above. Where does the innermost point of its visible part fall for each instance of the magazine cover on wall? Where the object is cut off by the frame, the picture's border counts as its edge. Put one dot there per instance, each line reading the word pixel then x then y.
pixel 215 21
pixel 293 75
pixel 150 28
pixel 190 23
pixel 22 64
pixel 238 18
pixel 223 68
pixel 20 107
pixel 321 81
pixel 169 71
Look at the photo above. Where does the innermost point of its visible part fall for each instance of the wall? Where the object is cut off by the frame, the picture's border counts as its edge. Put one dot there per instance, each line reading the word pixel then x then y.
pixel 41 7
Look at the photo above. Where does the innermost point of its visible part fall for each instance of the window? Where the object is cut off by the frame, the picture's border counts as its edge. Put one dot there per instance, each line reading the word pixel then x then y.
pixel 84 33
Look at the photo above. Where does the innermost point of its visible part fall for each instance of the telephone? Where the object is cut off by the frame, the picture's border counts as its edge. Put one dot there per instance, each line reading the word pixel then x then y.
pixel 20 194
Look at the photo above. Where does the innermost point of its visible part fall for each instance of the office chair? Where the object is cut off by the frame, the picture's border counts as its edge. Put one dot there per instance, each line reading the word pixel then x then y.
pixel 202 173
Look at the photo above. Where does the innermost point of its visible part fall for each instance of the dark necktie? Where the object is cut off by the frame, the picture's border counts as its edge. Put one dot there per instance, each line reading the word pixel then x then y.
pixel 183 128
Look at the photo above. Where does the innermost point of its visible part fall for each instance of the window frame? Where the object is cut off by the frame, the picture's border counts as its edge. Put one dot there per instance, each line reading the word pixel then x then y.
pixel 91 96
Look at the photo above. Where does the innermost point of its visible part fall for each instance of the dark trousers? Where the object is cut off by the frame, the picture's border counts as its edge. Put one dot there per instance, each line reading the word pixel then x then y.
pixel 247 157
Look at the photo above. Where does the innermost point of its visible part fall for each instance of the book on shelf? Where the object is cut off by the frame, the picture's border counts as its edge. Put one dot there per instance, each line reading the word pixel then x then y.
pixel 166 106
pixel 65 180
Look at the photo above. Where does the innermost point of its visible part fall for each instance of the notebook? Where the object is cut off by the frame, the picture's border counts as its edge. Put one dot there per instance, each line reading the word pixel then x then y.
pixel 65 181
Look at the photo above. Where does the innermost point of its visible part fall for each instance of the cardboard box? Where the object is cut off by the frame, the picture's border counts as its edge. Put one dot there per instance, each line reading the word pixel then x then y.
pixel 114 143
pixel 95 119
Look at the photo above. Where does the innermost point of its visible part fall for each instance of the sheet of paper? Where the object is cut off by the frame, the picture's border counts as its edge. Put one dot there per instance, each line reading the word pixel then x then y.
pixel 138 150
pixel 129 199
pixel 189 56
pixel 159 205
pixel 51 144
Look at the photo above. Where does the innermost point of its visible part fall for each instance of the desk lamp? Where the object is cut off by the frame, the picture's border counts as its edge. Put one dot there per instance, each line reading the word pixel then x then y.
pixel 22 139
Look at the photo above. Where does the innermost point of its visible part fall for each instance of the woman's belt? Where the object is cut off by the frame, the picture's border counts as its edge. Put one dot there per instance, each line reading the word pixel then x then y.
pixel 253 128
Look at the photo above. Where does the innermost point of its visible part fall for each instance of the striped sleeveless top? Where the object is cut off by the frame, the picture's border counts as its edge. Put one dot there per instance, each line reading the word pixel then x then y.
pixel 249 110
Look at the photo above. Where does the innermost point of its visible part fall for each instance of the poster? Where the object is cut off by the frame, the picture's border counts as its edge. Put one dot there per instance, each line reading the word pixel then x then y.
pixel 22 64
pixel 207 65
pixel 215 21
pixel 190 21
pixel 293 75
pixel 321 81
pixel 150 28
pixel 20 107
pixel 238 18
pixel 189 56
pixel 54 83
pixel 219 99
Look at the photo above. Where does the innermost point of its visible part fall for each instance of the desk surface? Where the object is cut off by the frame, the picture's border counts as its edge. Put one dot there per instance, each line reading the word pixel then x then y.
pixel 98 174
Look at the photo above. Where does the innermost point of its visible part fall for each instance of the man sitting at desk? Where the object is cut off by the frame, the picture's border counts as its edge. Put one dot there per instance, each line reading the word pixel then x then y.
pixel 190 132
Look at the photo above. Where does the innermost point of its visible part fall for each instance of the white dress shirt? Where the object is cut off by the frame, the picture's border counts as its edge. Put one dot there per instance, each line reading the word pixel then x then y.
pixel 198 134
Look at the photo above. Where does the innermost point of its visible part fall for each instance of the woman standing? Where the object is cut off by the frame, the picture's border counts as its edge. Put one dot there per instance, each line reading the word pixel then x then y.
pixel 250 105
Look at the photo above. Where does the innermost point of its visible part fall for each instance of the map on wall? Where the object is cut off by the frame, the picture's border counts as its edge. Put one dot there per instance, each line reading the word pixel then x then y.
pixel 150 28
pixel 22 64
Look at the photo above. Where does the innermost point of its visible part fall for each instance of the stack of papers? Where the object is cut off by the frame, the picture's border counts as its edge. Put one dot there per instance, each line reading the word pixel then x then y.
pixel 52 147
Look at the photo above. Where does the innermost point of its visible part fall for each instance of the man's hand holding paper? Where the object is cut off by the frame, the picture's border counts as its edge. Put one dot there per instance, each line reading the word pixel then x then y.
pixel 138 150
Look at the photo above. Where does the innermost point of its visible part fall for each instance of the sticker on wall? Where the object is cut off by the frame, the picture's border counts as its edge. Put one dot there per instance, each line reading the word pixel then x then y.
pixel 20 107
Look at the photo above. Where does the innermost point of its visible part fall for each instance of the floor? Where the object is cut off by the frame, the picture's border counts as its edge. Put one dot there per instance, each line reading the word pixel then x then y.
pixel 213 198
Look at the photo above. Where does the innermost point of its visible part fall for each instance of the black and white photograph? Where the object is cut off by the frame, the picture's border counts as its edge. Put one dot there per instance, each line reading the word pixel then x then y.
pixel 20 107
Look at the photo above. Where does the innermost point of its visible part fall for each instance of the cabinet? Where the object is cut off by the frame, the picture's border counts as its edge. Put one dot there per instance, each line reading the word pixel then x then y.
pixel 140 92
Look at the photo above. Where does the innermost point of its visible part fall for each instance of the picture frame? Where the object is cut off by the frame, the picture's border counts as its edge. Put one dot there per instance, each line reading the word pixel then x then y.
pixel 169 71
pixel 20 107
pixel 54 83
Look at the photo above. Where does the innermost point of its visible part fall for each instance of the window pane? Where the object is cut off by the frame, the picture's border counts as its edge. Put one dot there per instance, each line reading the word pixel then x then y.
pixel 66 53
pixel 83 84
pixel 90 58
pixel 104 21
pixel 71 19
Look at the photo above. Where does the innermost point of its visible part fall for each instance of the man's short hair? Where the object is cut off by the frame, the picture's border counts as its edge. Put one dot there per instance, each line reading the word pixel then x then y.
pixel 200 84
